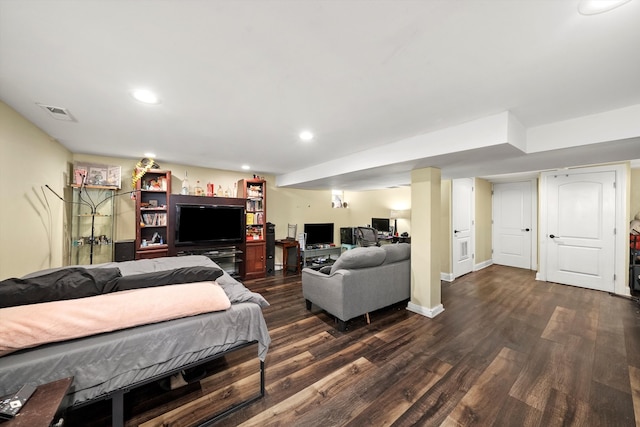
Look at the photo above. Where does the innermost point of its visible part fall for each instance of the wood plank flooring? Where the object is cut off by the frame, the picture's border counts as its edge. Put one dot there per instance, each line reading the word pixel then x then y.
pixel 507 351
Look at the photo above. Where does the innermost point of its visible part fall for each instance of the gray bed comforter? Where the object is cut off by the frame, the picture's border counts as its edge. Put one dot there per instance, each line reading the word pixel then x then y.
pixel 104 363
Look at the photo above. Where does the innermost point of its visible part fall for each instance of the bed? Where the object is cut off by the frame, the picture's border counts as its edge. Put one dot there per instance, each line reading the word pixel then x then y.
pixel 108 364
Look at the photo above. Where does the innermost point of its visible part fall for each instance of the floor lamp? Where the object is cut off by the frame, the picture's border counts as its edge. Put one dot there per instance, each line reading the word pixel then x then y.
pixel 395 215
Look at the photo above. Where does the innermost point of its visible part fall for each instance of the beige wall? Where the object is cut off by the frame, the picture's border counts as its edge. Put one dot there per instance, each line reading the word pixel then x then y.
pixel 31 217
pixel 483 221
pixel 445 227
pixel 634 201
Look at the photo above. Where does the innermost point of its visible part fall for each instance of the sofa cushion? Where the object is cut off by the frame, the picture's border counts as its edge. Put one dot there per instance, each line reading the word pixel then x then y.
pixel 397 252
pixel 371 256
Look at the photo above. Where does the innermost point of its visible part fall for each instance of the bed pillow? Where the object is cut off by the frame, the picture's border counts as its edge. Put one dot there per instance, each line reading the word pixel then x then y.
pixel 68 283
pixel 165 277
pixel 237 292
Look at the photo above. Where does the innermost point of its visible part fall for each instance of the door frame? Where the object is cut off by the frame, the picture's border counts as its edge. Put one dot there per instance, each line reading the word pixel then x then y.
pixel 621 240
pixel 534 191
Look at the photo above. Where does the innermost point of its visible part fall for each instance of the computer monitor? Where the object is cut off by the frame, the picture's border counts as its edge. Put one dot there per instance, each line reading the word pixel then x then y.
pixel 380 224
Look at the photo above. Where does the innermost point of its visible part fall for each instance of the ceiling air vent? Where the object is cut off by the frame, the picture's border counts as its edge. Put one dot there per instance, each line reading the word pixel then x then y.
pixel 58 113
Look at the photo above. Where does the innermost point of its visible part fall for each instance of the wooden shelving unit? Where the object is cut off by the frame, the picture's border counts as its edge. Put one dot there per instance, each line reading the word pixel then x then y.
pixel 152 214
pixel 255 193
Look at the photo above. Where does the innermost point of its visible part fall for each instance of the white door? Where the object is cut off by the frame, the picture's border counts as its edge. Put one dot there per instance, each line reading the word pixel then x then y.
pixel 462 204
pixel 580 229
pixel 513 224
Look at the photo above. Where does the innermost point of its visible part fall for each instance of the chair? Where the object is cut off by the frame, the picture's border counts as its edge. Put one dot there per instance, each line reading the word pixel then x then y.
pixel 367 236
pixel 292 231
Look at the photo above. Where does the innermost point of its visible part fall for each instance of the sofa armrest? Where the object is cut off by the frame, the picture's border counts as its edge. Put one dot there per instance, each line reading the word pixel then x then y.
pixel 325 290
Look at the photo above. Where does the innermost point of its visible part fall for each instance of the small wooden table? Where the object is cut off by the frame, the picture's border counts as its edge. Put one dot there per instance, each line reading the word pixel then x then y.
pixel 287 244
pixel 42 406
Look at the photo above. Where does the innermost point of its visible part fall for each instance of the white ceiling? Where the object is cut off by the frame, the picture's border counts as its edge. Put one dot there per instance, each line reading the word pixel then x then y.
pixel 239 79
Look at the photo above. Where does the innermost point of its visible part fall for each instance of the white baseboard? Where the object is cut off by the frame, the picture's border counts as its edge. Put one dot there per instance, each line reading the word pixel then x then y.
pixel 482 265
pixel 446 277
pixel 428 312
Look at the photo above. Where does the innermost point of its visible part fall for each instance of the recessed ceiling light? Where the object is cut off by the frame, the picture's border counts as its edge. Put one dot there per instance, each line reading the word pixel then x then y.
pixel 150 155
pixel 146 96
pixel 306 135
pixel 246 167
pixel 594 7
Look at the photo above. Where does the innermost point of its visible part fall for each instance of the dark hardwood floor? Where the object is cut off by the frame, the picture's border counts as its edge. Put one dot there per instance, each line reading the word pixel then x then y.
pixel 507 351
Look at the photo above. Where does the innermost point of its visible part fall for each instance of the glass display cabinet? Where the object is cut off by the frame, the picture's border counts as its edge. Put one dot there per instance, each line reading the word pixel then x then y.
pixel 92 225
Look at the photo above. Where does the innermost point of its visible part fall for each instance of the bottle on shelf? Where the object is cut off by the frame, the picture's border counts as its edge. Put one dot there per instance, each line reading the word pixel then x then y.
pixel 197 190
pixel 185 185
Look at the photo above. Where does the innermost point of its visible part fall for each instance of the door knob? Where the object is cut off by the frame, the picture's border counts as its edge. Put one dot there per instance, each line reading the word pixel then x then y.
pixel 552 236
pixel 456 231
pixel 525 229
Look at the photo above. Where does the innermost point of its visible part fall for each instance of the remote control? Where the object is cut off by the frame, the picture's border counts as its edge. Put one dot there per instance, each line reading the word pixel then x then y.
pixel 12 404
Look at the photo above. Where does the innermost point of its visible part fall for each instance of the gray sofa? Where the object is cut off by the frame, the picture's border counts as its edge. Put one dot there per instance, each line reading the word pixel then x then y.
pixel 361 280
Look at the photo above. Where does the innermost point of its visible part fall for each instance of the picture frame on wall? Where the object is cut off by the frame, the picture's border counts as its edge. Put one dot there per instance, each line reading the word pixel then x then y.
pixel 96 174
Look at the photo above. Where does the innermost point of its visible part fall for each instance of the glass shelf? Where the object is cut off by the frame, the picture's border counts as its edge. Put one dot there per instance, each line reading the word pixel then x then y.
pixel 88 227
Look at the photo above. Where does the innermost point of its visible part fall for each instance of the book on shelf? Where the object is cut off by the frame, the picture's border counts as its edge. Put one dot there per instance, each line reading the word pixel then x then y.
pixel 154 219
pixel 254 191
pixel 250 218
pixel 254 205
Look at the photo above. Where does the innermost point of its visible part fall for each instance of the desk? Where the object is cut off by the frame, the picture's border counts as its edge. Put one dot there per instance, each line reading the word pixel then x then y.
pixel 289 245
pixel 393 239
pixel 42 406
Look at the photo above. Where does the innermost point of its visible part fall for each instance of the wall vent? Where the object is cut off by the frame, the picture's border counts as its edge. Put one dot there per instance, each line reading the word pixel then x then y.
pixel 58 113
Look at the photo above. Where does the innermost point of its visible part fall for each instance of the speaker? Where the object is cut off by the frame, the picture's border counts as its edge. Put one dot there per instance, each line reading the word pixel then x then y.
pixel 271 248
pixel 348 235
pixel 634 277
pixel 124 250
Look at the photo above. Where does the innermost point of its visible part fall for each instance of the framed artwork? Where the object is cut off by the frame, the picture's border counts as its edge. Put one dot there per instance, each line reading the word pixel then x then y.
pixel 96 174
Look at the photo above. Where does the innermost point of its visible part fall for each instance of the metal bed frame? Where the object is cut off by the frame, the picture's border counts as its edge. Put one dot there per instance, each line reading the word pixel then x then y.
pixel 117 396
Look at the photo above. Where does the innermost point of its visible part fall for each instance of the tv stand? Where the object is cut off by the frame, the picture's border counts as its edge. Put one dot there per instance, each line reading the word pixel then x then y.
pixel 227 257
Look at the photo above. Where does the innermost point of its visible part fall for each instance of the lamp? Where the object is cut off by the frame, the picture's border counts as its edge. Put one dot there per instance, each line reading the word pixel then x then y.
pixel 396 214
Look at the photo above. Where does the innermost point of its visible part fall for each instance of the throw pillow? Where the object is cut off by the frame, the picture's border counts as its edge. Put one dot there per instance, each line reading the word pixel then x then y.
pixel 63 284
pixel 165 277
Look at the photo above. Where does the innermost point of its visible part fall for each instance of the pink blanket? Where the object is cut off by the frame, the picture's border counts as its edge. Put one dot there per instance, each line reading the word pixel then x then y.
pixel 31 325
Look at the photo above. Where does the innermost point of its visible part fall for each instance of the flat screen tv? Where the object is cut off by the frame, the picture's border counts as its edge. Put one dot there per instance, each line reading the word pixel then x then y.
pixel 380 224
pixel 318 233
pixel 209 224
